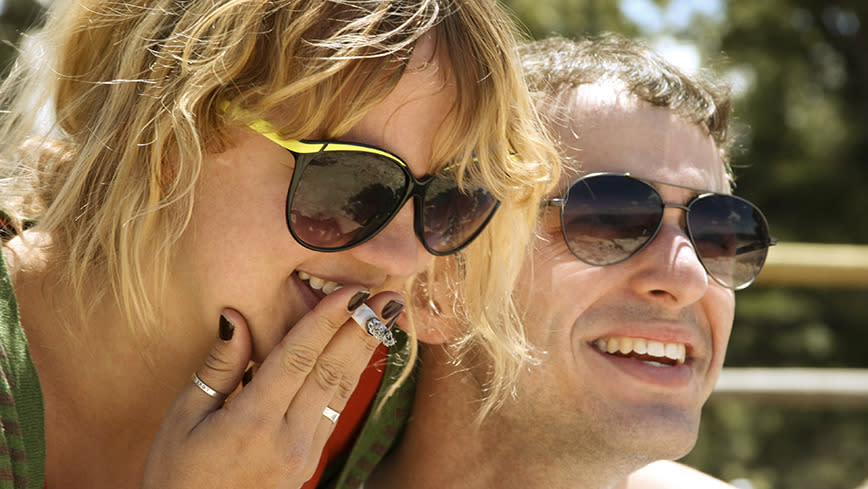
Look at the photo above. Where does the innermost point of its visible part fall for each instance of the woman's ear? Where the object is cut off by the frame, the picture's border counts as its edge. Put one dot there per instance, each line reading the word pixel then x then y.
pixel 435 303
pixel 435 328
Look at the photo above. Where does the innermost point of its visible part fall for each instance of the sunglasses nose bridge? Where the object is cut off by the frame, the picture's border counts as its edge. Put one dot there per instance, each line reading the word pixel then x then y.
pixel 682 219
pixel 684 229
pixel 416 192
pixel 683 207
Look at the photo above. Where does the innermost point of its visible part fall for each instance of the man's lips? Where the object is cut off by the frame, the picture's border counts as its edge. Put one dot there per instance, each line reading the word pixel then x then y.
pixel 664 360
pixel 643 349
pixel 647 372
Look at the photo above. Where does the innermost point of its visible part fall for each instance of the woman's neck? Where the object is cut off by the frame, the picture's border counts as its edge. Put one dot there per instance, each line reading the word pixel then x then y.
pixel 105 389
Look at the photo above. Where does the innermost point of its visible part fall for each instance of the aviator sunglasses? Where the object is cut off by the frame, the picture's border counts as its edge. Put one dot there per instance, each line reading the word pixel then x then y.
pixel 343 194
pixel 606 218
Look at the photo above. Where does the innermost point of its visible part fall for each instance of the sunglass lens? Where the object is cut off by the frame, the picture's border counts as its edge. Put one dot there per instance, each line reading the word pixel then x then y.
pixel 344 197
pixel 452 217
pixel 731 237
pixel 608 218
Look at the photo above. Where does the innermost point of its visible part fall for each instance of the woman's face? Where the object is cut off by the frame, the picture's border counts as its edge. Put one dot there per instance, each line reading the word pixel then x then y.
pixel 238 252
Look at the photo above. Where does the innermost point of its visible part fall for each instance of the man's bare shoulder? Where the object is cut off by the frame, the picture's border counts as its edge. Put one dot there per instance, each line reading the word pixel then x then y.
pixel 672 475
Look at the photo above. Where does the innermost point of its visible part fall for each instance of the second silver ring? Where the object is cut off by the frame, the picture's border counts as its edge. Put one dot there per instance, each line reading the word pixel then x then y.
pixel 331 414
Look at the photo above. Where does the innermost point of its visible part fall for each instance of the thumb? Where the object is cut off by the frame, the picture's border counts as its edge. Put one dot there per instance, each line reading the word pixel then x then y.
pixel 224 366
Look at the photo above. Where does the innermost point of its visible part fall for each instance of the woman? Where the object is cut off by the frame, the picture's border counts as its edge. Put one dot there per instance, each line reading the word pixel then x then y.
pixel 155 212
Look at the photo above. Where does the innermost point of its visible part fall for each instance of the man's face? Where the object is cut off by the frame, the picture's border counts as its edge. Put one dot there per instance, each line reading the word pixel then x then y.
pixel 606 405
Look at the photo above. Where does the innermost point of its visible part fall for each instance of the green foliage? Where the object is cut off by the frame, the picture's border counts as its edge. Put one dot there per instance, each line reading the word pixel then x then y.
pixel 570 18
pixel 15 17
pixel 783 447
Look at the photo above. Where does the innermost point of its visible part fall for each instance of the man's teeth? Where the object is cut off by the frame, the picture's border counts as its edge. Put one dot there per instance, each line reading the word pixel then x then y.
pixel 649 351
pixel 326 286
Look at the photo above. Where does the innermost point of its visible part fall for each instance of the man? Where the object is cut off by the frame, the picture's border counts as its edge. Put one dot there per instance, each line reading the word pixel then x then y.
pixel 626 311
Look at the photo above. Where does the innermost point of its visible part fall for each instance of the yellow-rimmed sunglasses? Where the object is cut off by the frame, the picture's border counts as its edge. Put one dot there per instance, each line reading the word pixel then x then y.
pixel 343 194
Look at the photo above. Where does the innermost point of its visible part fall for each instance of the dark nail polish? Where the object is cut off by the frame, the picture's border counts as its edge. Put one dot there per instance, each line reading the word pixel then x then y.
pixel 248 376
pixel 227 329
pixel 393 320
pixel 358 300
pixel 393 308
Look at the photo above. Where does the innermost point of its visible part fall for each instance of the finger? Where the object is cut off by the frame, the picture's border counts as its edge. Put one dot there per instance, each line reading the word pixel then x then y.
pixel 286 368
pixel 222 369
pixel 390 312
pixel 336 374
pixel 337 404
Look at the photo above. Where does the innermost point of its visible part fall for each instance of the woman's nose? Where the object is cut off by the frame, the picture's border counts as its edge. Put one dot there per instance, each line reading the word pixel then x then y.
pixel 396 250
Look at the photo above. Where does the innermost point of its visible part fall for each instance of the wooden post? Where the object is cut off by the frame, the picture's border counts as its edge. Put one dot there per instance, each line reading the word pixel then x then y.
pixel 819 386
pixel 816 265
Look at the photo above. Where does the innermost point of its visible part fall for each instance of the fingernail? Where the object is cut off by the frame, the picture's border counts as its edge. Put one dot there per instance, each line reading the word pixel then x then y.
pixel 227 329
pixel 358 300
pixel 392 321
pixel 248 376
pixel 393 313
pixel 392 309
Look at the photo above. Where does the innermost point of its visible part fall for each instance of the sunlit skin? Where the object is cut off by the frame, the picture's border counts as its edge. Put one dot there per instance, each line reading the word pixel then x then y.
pixel 588 403
pixel 581 418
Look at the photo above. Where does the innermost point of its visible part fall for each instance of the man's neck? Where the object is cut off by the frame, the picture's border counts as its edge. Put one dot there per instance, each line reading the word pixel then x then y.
pixel 442 447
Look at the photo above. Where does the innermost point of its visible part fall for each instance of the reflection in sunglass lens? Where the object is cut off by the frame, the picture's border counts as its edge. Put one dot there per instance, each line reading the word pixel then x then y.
pixel 607 218
pixel 730 236
pixel 452 217
pixel 344 197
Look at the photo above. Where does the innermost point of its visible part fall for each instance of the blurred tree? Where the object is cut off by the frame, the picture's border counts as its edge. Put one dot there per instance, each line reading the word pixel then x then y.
pixel 805 145
pixel 15 17
pixel 571 18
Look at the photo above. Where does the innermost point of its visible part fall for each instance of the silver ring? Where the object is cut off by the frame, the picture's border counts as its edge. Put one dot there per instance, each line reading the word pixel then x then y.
pixel 331 414
pixel 368 320
pixel 207 388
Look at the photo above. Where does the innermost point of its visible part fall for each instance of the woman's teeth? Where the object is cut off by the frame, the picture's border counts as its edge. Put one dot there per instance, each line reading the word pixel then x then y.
pixel 363 315
pixel 326 286
pixel 653 352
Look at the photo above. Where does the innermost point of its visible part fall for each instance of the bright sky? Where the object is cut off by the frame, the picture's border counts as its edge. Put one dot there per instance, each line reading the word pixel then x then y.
pixel 676 15
pixel 655 22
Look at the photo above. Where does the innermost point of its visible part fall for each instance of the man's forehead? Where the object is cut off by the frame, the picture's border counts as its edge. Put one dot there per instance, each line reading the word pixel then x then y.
pixel 603 128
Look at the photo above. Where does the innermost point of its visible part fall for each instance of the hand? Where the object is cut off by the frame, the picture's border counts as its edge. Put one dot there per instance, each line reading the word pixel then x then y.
pixel 273 431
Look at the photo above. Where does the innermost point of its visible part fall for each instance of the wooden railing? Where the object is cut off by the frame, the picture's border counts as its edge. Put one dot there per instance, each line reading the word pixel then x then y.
pixel 813 266
pixel 816 265
pixel 791 386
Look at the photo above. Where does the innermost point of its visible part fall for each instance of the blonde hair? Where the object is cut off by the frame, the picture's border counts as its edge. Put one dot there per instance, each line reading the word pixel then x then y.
pixel 474 288
pixel 133 87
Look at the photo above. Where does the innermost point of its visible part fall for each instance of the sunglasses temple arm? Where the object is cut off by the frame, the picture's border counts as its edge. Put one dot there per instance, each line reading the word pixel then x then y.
pixel 554 202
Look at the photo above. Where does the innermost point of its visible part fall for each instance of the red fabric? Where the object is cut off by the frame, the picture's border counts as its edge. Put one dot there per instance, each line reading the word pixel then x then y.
pixel 353 416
